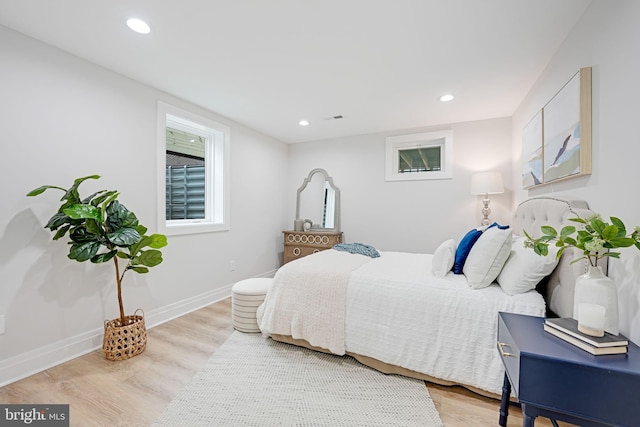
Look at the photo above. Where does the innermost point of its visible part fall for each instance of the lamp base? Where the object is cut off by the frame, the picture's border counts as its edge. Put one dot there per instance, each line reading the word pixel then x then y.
pixel 486 211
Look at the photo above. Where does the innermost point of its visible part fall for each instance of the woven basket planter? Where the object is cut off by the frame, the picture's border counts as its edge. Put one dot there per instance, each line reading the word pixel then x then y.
pixel 123 342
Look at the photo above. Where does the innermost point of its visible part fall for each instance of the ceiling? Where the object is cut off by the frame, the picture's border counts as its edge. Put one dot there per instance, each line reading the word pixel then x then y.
pixel 267 64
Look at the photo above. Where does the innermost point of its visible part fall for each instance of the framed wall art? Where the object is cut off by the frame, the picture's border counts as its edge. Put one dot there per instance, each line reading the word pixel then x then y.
pixel 565 126
pixel 532 152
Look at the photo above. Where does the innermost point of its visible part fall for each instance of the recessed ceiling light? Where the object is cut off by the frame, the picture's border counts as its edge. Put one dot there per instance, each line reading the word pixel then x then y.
pixel 138 25
pixel 446 98
pixel 303 122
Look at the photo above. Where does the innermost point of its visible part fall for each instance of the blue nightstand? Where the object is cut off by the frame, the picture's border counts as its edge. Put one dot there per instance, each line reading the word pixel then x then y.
pixel 554 379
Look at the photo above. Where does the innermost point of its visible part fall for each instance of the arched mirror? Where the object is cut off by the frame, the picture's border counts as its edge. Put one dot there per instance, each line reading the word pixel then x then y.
pixel 319 201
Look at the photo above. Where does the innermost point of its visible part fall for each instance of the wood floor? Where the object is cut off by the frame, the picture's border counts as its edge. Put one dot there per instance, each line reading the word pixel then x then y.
pixel 134 392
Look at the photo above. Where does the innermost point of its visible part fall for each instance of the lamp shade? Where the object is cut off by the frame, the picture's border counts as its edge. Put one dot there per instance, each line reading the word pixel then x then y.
pixel 486 183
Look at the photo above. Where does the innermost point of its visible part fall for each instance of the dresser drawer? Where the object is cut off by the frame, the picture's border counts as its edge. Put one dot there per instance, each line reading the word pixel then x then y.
pixel 298 244
pixel 316 240
pixel 292 252
pixel 510 354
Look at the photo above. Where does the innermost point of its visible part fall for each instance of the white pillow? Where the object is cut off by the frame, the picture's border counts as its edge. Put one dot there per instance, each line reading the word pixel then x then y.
pixel 525 269
pixel 443 258
pixel 487 257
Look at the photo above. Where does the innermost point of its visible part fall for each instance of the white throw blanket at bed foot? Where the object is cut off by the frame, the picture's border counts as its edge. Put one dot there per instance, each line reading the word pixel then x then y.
pixel 307 300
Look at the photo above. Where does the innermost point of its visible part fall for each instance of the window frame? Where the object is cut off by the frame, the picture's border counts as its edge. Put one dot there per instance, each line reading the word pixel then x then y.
pixel 395 144
pixel 216 171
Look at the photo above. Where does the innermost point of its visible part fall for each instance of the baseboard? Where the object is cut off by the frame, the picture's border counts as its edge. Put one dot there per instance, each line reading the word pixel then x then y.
pixel 37 360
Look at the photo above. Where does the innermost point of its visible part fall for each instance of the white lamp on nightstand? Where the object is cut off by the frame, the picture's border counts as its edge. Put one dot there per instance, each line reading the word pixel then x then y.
pixel 486 183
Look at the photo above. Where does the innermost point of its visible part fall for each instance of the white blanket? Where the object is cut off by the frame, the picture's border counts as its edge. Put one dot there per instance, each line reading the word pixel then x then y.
pixel 307 299
pixel 399 313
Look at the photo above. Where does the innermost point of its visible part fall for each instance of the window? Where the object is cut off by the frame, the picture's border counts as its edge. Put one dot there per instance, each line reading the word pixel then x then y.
pixel 193 172
pixel 419 156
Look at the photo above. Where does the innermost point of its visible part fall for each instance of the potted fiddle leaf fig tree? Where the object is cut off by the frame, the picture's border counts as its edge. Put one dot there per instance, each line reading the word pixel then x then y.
pixel 101 229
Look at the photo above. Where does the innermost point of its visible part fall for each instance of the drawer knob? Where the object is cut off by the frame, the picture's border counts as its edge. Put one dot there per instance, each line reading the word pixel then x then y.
pixel 501 346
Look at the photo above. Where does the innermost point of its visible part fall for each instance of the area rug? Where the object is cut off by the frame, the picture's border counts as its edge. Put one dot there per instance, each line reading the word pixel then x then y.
pixel 252 381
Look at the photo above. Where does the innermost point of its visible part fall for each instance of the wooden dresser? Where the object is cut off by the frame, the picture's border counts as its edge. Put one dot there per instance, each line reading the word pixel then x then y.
pixel 302 243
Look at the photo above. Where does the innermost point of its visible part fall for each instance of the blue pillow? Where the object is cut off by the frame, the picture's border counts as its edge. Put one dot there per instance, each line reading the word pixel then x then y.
pixel 463 249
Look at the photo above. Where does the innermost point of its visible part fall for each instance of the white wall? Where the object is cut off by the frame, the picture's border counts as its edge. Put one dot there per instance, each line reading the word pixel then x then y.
pixel 607 38
pixel 412 216
pixel 604 39
pixel 63 118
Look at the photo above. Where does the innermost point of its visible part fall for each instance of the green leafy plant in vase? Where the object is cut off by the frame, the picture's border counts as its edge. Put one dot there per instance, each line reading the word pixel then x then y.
pixel 595 240
pixel 101 229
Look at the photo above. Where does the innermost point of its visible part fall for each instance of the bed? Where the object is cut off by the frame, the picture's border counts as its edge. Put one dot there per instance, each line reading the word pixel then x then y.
pixel 400 313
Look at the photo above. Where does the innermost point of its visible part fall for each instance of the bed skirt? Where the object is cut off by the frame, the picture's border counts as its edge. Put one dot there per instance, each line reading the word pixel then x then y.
pixel 385 368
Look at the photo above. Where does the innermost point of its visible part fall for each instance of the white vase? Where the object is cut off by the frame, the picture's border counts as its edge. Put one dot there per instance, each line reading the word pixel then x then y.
pixel 594 287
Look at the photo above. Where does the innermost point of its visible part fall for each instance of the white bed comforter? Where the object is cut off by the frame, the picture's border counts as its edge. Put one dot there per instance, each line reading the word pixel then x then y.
pixel 399 313
pixel 393 309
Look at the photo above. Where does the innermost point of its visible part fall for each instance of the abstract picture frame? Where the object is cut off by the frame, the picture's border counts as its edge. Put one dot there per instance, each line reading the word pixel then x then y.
pixel 563 150
pixel 532 161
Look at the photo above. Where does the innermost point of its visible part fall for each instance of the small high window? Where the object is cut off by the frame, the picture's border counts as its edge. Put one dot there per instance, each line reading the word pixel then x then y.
pixel 193 172
pixel 426 155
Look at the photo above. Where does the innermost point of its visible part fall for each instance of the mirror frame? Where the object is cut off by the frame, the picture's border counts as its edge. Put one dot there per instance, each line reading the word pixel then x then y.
pixel 336 213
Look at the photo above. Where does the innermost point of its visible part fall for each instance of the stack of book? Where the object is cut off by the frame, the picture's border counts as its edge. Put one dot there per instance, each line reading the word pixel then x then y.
pixel 567 329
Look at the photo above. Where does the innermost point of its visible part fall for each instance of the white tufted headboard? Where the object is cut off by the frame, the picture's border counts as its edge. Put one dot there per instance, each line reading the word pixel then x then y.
pixel 533 213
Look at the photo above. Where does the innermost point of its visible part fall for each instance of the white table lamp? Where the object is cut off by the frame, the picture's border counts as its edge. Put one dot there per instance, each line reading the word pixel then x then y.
pixel 486 183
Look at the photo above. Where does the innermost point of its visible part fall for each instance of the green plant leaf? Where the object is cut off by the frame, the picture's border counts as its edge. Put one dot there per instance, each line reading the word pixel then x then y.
pixel 100 197
pixel 549 231
pixel 155 241
pixel 582 234
pixel 567 231
pixel 80 211
pixel 61 232
pixel 598 225
pixel 104 257
pixel 93 227
pixel 118 216
pixel 622 242
pixel 81 235
pixel 124 237
pixel 83 251
pixel 89 199
pixel 142 230
pixel 580 220
pixel 72 193
pixel 121 254
pixel 57 220
pixel 158 241
pixel 612 254
pixel 150 258
pixel 541 248
pixel 609 232
pixel 617 222
pixel 42 189
pixel 104 205
pixel 140 270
